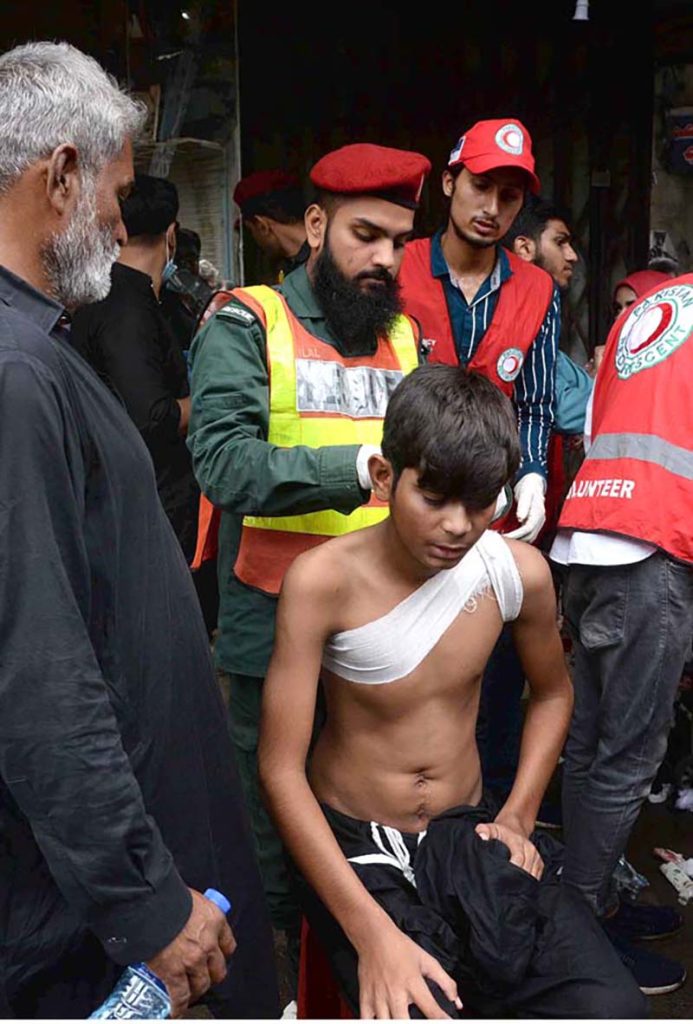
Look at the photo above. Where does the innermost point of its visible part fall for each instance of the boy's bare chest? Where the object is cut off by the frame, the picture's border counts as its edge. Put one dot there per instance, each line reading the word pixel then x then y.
pixel 459 657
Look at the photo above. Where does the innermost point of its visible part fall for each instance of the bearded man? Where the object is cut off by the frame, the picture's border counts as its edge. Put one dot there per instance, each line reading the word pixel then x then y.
pixel 289 390
pixel 119 798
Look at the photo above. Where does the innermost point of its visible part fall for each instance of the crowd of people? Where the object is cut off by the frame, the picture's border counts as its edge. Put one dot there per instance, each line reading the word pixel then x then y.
pixel 284 567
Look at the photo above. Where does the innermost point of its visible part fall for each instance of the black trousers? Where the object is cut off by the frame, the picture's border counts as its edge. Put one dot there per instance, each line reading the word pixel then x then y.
pixel 516 947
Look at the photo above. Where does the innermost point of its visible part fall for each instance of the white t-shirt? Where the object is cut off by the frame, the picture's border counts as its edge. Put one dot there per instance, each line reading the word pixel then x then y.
pixel 578 546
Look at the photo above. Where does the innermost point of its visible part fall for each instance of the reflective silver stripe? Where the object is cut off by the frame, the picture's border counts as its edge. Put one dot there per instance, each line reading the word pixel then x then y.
pixel 647 448
pixel 361 392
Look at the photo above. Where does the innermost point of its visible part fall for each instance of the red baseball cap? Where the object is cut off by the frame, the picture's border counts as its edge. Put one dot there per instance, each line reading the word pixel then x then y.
pixel 263 183
pixel 504 142
pixel 363 168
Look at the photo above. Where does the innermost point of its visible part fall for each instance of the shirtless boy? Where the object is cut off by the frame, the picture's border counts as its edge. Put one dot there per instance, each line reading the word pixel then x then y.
pixel 423 895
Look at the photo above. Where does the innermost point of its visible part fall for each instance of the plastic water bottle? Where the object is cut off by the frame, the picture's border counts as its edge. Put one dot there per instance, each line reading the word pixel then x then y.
pixel 139 994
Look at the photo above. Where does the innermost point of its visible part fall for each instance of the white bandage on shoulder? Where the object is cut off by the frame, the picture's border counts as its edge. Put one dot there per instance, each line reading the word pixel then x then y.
pixel 393 645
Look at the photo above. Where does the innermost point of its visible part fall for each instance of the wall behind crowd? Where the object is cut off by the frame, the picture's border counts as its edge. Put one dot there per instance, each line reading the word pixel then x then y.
pixel 671 218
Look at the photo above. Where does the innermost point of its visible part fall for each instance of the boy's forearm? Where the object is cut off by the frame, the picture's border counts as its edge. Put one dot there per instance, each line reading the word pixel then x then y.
pixel 543 736
pixel 315 850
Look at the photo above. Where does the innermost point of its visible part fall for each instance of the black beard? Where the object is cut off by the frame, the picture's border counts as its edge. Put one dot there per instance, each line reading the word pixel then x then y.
pixel 357 318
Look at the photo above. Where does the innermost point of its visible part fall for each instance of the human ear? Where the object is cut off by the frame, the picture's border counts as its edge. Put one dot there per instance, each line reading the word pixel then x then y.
pixel 525 248
pixel 448 183
pixel 382 477
pixel 315 220
pixel 262 226
pixel 63 178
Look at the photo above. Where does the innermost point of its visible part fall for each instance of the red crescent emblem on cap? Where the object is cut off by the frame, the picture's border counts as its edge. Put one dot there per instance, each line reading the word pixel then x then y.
pixel 666 315
pixel 510 139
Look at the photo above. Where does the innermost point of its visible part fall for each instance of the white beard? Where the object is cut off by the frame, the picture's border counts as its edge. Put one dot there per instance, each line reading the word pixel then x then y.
pixel 78 260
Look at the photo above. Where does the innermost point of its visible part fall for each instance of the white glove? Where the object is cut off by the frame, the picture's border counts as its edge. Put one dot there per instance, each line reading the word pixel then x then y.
pixel 364 454
pixel 530 511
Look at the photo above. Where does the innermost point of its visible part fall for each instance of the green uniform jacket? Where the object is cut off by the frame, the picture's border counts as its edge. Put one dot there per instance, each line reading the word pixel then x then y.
pixel 244 475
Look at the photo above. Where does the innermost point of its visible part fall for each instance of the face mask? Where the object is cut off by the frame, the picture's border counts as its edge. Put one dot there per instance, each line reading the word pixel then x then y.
pixel 168 271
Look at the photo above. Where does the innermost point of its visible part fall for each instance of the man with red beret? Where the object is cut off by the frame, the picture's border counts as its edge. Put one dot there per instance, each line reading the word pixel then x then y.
pixel 289 390
pixel 272 206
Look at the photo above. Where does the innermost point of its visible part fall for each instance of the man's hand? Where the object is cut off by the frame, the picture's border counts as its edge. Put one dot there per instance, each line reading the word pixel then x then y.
pixel 530 511
pixel 523 853
pixel 197 956
pixel 392 976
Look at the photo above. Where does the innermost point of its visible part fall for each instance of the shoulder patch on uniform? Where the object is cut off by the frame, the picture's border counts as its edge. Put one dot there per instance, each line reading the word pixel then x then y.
pixel 240 314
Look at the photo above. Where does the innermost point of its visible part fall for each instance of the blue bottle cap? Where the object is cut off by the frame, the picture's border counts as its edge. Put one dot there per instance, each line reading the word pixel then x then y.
pixel 218 898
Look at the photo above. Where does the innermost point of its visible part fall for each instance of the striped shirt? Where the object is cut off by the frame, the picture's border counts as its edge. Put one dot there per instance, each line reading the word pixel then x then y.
pixel 534 387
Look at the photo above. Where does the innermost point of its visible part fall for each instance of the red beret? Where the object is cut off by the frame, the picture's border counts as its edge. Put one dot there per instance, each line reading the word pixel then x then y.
pixel 489 145
pixel 262 183
pixel 363 168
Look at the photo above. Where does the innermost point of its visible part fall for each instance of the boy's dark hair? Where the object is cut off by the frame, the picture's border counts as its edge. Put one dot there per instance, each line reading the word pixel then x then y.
pixel 531 221
pixel 457 429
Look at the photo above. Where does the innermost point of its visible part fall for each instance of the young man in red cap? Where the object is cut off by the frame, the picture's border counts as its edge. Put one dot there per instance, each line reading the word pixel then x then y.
pixel 272 206
pixel 481 306
pixel 484 308
pixel 289 390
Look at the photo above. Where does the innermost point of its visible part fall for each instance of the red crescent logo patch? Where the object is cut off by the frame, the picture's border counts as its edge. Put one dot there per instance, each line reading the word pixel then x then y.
pixel 655 321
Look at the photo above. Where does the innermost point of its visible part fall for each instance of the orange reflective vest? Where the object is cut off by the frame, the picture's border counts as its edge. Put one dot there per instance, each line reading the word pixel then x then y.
pixel 317 398
pixel 637 477
pixel 522 304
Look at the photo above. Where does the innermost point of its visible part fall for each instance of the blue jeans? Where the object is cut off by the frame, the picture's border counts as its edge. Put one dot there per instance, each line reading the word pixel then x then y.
pixel 631 627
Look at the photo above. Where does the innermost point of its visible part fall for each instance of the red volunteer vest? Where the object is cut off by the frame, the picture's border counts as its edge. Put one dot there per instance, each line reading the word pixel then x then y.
pixel 637 478
pixel 522 304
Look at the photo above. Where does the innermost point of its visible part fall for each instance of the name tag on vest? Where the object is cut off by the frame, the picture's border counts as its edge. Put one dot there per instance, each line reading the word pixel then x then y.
pixel 361 392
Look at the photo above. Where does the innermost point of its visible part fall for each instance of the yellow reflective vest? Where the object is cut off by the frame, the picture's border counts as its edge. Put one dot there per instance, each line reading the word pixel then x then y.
pixel 318 397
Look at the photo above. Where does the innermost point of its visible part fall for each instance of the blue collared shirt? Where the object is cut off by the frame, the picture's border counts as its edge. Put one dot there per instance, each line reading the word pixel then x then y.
pixel 534 387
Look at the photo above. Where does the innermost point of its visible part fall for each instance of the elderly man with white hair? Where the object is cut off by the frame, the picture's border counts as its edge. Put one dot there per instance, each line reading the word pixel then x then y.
pixel 119 799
